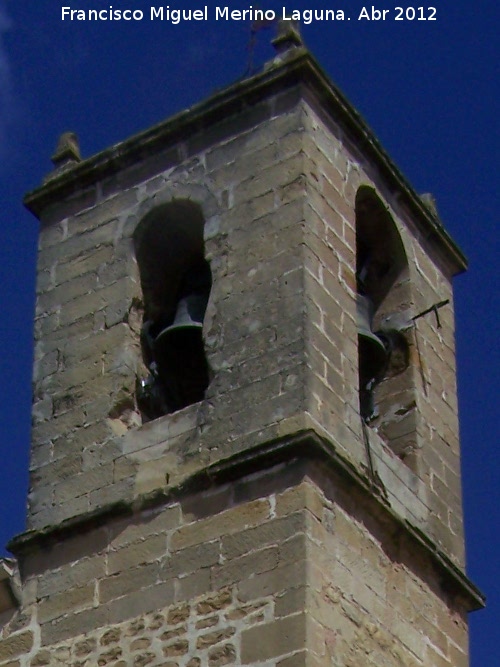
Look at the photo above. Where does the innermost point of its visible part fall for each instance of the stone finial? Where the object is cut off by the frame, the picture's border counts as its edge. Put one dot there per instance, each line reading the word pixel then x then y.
pixel 288 37
pixel 429 201
pixel 67 152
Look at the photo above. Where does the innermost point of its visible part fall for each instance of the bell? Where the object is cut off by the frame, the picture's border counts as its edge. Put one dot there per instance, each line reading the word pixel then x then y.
pixel 179 372
pixel 179 353
pixel 372 351
pixel 189 315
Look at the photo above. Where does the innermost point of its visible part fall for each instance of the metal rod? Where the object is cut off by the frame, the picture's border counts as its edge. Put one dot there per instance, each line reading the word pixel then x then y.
pixel 433 309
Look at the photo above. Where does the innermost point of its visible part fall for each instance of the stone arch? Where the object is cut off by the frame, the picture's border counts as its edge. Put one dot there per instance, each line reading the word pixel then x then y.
pixel 176 281
pixel 380 253
pixel 384 300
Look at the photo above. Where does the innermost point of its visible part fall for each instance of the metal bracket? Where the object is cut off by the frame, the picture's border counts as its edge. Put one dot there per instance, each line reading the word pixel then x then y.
pixel 433 309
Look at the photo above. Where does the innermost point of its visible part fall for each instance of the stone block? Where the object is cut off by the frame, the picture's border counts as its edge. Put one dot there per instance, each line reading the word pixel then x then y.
pixel 130 581
pixel 53 299
pixel 125 288
pixel 102 213
pixel 47 365
pixel 124 531
pixel 72 625
pixel 66 602
pixel 238 569
pixel 273 640
pixel 289 602
pixel 112 493
pixel 273 582
pixel 89 263
pixel 70 577
pixel 77 246
pixel 191 559
pixel 61 469
pixel 193 585
pixel 216 637
pixel 222 655
pixel 146 600
pixel 178 648
pixel 214 602
pixel 252 117
pixel 16 645
pixel 83 484
pixel 137 553
pixel 227 522
pixel 273 532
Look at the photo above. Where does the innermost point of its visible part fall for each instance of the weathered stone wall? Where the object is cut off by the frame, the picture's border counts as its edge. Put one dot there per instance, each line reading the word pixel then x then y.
pixel 374 600
pixel 285 568
pixel 194 577
pixel 278 196
pixel 89 316
pixel 425 487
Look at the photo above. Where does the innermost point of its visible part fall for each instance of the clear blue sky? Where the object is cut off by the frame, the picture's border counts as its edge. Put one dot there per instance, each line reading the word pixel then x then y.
pixel 427 89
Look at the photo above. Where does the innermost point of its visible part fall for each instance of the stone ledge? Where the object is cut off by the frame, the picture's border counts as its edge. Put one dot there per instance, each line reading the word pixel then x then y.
pixel 306 445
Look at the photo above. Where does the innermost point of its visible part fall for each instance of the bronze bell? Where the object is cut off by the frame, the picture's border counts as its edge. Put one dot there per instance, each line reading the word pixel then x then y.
pixel 189 314
pixel 179 354
pixel 372 350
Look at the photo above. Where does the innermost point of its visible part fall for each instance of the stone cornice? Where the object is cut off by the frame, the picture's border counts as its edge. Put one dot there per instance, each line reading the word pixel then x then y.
pixel 299 69
pixel 303 446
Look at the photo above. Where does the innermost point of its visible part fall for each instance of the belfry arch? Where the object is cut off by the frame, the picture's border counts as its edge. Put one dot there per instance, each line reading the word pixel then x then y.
pixel 175 280
pixel 386 391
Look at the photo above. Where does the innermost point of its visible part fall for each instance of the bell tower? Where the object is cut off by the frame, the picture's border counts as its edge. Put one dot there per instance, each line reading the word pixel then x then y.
pixel 245 441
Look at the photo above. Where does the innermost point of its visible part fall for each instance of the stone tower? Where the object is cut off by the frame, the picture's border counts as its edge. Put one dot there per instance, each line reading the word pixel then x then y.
pixel 245 443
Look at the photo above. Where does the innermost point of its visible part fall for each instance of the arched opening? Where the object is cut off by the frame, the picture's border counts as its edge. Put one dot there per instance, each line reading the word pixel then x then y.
pixel 386 391
pixel 176 282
